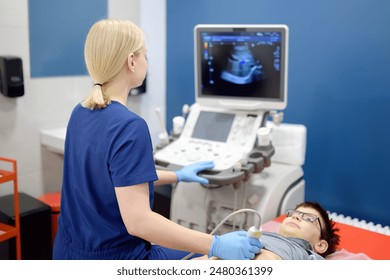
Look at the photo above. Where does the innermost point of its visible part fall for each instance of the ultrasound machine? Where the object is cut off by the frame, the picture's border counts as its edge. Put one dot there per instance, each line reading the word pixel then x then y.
pixel 240 84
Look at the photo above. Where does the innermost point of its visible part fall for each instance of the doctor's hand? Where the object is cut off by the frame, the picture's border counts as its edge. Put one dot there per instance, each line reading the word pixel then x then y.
pixel 235 246
pixel 189 173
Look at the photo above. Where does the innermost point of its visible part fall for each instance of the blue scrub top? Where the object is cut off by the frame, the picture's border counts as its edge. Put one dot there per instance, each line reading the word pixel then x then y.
pixel 104 149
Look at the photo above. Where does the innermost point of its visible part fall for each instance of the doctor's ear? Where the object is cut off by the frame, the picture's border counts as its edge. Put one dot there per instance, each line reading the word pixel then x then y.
pixel 130 62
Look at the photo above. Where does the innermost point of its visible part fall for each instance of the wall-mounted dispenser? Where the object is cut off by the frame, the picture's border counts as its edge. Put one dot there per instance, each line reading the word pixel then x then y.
pixel 11 76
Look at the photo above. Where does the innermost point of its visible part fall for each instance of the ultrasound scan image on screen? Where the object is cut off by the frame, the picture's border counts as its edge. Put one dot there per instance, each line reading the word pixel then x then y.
pixel 241 64
pixel 248 62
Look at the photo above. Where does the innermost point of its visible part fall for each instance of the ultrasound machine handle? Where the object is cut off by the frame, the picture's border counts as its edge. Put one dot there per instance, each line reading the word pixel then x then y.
pixel 225 177
pixel 258 158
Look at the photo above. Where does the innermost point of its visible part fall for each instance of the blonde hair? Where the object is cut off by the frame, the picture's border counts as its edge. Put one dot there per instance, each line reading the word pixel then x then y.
pixel 108 44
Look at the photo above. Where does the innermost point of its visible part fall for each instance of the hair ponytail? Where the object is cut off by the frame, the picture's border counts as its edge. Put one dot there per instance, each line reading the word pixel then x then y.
pixel 96 98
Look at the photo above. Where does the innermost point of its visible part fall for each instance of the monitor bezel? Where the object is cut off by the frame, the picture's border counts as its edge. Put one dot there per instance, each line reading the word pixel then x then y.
pixel 239 103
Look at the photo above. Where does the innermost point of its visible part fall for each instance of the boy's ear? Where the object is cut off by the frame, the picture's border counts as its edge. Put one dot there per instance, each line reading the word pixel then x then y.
pixel 321 246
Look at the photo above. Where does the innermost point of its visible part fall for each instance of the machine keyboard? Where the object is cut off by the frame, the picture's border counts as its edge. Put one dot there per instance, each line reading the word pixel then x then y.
pixel 187 152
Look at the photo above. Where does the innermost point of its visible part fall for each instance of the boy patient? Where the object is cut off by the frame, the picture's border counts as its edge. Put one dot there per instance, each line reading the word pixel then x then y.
pixel 306 233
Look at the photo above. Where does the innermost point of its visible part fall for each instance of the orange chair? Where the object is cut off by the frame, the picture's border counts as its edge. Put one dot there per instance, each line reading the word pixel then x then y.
pixel 53 200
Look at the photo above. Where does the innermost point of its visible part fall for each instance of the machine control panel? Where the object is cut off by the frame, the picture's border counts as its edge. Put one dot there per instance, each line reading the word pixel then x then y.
pixel 224 136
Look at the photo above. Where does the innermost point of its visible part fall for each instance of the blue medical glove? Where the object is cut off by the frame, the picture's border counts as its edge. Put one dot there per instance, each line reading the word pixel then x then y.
pixel 189 173
pixel 235 246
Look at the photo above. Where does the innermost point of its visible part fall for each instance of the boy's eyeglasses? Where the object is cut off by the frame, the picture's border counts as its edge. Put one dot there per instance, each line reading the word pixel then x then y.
pixel 308 217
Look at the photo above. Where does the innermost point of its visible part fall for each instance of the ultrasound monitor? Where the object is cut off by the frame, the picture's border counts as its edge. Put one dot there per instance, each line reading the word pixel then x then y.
pixel 242 67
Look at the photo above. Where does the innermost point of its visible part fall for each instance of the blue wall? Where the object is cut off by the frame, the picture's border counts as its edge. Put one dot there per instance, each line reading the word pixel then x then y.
pixel 339 81
pixel 57 31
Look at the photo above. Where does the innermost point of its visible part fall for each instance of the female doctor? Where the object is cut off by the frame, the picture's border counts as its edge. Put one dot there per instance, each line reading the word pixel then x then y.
pixel 109 172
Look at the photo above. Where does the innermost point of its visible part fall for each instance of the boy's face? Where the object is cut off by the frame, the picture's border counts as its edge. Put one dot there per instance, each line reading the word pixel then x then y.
pixel 296 226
